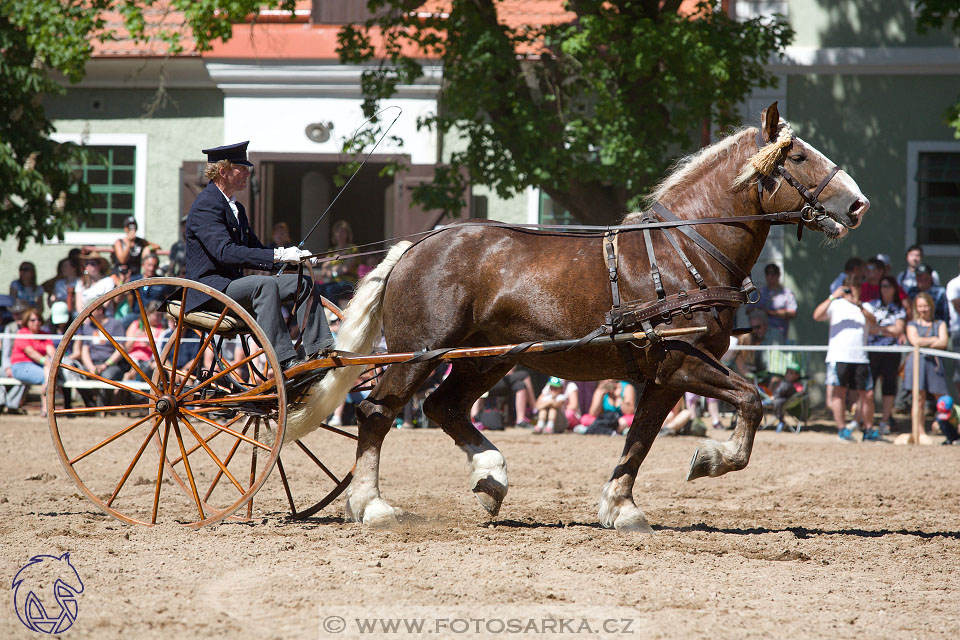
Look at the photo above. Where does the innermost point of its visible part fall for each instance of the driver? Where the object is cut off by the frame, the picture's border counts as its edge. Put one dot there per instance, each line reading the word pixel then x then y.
pixel 220 244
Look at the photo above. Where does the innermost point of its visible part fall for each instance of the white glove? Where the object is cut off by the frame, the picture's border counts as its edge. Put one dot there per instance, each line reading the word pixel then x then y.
pixel 289 254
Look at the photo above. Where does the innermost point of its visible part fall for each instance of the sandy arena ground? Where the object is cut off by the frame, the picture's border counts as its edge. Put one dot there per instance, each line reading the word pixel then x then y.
pixel 815 539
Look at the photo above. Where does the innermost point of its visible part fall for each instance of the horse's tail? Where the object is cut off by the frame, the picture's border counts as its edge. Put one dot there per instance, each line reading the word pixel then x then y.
pixel 360 329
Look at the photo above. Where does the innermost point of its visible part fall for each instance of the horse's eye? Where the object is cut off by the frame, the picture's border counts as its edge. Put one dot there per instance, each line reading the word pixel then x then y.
pixel 798 158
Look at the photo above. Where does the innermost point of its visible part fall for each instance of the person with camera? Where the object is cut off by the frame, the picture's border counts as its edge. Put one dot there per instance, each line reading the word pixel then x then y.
pixel 848 366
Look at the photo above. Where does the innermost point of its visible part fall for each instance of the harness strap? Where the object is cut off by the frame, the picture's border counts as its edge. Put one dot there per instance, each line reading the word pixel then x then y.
pixel 654 268
pixel 746 285
pixel 610 253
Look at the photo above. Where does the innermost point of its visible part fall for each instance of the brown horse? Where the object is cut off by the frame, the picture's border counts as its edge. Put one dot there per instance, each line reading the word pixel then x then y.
pixel 479 284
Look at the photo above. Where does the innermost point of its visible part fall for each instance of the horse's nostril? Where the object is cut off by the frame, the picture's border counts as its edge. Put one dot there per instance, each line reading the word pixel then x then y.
pixel 856 206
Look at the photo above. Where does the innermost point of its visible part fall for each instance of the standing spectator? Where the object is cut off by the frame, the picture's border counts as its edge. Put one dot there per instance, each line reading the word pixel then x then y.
pixel 852 268
pixel 25 288
pixel 885 260
pixel 848 367
pixel 130 249
pixel 873 271
pixel 925 330
pixel 178 253
pixel 30 360
pixel 925 284
pixel 777 300
pixel 339 276
pixel 886 331
pixel 907 279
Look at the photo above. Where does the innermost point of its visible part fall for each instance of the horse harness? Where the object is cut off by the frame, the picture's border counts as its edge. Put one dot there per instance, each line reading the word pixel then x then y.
pixel 625 317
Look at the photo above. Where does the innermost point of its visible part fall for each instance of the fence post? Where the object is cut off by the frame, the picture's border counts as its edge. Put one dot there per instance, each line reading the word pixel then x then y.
pixel 916 412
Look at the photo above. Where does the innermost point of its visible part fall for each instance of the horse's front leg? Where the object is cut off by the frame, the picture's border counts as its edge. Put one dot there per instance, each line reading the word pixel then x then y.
pixel 617 508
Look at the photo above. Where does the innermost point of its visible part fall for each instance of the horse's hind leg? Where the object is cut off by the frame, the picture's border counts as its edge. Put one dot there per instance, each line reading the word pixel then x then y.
pixel 449 406
pixel 617 508
pixel 375 416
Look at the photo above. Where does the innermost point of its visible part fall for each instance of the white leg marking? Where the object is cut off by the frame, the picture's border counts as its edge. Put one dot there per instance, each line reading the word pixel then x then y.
pixel 488 475
pixel 365 505
pixel 620 514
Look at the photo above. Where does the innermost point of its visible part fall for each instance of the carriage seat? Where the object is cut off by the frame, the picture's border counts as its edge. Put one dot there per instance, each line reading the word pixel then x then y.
pixel 205 320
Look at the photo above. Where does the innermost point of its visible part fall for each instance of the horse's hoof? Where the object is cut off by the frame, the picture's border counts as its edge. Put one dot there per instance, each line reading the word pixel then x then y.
pixel 632 520
pixel 379 514
pixel 490 493
pixel 699 466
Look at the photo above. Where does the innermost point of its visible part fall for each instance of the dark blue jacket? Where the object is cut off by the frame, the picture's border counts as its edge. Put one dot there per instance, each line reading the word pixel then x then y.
pixel 218 249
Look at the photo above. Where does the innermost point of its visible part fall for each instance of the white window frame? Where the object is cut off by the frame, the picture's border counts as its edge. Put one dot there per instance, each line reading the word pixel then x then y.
pixel 914 149
pixel 138 140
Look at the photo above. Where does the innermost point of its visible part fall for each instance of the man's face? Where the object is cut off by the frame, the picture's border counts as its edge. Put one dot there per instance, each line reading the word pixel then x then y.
pixel 235 178
pixel 149 267
pixel 873 274
pixel 759 327
pixel 914 256
pixel 773 278
pixel 924 281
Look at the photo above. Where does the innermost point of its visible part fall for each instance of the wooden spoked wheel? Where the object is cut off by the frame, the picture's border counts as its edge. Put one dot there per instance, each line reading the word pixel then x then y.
pixel 207 429
pixel 319 465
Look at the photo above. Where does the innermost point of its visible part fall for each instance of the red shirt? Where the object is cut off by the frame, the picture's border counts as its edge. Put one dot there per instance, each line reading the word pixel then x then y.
pixel 20 344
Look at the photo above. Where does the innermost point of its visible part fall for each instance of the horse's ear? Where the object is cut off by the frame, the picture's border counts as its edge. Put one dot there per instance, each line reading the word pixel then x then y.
pixel 769 122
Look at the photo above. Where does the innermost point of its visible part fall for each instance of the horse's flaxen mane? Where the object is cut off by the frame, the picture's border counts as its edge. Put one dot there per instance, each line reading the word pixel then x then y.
pixel 689 167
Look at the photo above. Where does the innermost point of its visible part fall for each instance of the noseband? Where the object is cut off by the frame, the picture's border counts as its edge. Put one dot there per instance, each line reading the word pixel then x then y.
pixel 813 210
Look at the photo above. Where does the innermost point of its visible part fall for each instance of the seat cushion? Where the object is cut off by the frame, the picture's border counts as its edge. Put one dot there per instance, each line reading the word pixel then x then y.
pixel 205 320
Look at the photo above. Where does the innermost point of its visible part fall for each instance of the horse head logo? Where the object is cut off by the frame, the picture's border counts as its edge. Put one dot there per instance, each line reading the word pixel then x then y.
pixel 45 593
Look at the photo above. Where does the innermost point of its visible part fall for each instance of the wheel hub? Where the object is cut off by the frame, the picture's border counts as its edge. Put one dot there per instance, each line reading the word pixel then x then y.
pixel 166 405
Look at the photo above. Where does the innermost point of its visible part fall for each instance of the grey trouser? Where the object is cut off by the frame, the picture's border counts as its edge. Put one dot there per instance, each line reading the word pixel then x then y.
pixel 262 296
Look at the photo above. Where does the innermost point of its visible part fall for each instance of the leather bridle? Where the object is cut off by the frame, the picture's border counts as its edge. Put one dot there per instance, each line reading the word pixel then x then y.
pixel 813 210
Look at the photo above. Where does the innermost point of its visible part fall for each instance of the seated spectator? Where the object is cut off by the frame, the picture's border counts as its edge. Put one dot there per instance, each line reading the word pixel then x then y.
pixel 611 409
pixel 99 356
pixel 886 331
pixel 753 364
pixel 91 284
pixel 852 268
pixel 848 367
pixel 154 293
pixel 907 279
pixel 788 387
pixel 65 284
pixel 413 411
pixel 138 342
pixel 573 410
pixel 339 276
pixel 12 396
pixel 777 300
pixel 516 385
pixel 926 331
pixel 948 417
pixel 941 308
pixel 25 289
pixel 130 250
pixel 31 357
pixel 676 422
pixel 551 408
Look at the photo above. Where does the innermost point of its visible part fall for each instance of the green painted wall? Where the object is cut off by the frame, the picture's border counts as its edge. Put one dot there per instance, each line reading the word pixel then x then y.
pixel 186 122
pixel 863 123
pixel 870 23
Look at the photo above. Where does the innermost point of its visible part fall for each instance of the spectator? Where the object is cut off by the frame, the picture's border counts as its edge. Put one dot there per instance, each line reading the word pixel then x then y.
pixel 923 274
pixel 89 286
pixel 907 279
pixel 848 367
pixel 150 294
pixel 777 300
pixel 573 410
pixel 953 298
pixel 65 284
pixel 873 271
pixel 31 357
pixel 25 288
pixel 12 396
pixel 138 343
pixel 885 260
pixel 852 268
pixel 98 355
pixel 948 417
pixel 925 330
pixel 280 236
pixel 129 250
pixel 677 419
pixel 753 364
pixel 891 320
pixel 788 387
pixel 339 276
pixel 551 408
pixel 178 253
pixel 611 409
pixel 515 384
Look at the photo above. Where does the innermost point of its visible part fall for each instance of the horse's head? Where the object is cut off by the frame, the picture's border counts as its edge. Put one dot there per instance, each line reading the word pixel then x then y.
pixel 831 200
